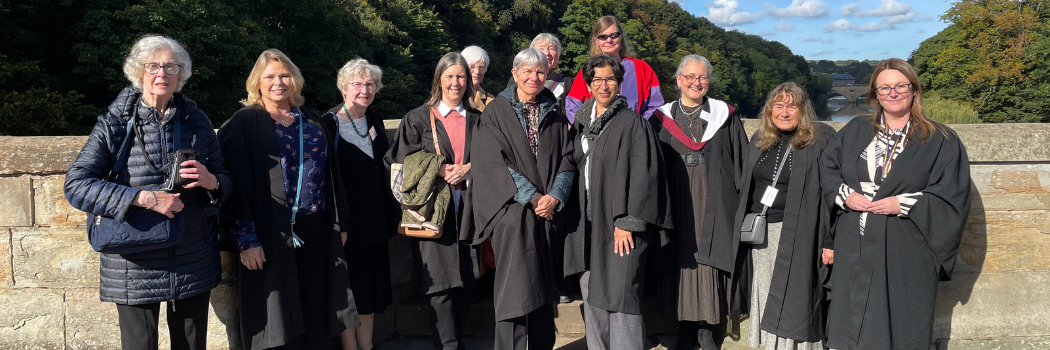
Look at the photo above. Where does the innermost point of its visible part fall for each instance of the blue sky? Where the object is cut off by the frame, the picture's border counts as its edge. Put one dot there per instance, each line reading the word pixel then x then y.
pixel 831 29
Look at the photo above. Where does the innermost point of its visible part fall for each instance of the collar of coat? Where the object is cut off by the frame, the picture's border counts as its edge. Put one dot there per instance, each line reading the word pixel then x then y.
pixel 127 102
pixel 720 112
pixel 583 116
pixel 546 100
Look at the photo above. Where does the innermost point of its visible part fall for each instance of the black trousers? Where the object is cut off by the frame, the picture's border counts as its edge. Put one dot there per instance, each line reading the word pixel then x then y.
pixel 187 323
pixel 448 317
pixel 532 331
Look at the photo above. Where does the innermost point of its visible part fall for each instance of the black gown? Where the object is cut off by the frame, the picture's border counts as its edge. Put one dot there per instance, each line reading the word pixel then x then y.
pixel 370 201
pixel 884 282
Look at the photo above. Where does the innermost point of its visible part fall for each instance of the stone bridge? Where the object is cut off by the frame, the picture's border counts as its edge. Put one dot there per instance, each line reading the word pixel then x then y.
pixel 852 92
pixel 997 298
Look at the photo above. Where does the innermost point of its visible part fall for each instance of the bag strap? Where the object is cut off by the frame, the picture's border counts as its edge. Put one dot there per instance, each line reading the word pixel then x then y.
pixel 122 154
pixel 434 133
pixel 776 176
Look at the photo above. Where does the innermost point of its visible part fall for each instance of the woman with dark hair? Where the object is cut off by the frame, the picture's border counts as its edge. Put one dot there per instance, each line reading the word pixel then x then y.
pixel 622 205
pixel 446 266
pixel 898 187
pixel 286 213
pixel 786 301
pixel 640 86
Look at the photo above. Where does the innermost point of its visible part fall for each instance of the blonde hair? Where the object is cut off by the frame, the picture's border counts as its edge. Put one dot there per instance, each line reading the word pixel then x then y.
pixel 922 124
pixel 600 26
pixel 805 132
pixel 448 60
pixel 252 84
pixel 146 48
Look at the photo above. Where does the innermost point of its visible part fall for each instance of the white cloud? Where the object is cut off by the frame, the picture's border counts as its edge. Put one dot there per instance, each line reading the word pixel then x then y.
pixel 727 13
pixel 798 8
pixel 841 25
pixel 819 52
pixel 873 27
pixel 829 41
pixel 784 26
pixel 809 38
pixel 907 17
pixel 886 8
pixel 926 18
pixel 767 33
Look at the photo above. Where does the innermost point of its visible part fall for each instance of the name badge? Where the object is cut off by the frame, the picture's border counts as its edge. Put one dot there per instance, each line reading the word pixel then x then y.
pixel 372 132
pixel 769 196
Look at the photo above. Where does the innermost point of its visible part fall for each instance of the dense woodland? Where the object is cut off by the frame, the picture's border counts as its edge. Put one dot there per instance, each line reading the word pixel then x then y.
pixel 60 60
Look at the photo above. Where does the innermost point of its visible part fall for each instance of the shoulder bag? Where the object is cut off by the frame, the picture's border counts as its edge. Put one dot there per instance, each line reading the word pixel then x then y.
pixel 753 229
pixel 397 173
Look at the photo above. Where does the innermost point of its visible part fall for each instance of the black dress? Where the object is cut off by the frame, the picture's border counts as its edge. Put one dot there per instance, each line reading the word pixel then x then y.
pixel 373 212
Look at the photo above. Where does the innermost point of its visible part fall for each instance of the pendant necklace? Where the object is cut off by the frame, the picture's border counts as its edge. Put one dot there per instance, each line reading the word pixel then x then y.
pixel 359 133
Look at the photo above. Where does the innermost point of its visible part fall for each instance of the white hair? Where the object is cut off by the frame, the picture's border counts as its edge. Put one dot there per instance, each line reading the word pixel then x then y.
pixel 547 38
pixel 474 54
pixel 530 57
pixel 696 58
pixel 356 68
pixel 146 48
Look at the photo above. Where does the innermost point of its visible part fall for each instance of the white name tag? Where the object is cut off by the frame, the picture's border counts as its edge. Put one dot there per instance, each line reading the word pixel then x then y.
pixel 769 196
pixel 558 90
pixel 372 132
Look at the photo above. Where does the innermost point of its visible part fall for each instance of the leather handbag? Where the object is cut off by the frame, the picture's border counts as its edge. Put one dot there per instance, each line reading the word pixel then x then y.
pixel 753 229
pixel 142 230
pixel 397 175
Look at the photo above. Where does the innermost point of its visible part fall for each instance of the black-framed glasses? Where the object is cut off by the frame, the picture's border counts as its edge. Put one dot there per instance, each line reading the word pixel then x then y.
pixel 900 89
pixel 690 79
pixel 610 81
pixel 154 68
pixel 614 36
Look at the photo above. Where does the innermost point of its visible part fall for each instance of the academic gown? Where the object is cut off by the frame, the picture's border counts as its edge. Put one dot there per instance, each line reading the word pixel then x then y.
pixel 884 283
pixel 794 308
pixel 524 273
pixel 271 313
pixel 447 262
pixel 626 178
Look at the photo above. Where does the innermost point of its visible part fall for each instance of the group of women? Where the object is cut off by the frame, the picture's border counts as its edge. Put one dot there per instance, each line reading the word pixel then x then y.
pixel 595 177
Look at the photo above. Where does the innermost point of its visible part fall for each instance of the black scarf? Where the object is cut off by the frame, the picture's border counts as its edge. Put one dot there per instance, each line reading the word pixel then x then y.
pixel 583 117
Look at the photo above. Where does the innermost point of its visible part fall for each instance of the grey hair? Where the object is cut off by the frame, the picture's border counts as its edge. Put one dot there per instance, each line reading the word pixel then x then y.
pixel 696 58
pixel 145 48
pixel 355 68
pixel 530 57
pixel 474 54
pixel 547 38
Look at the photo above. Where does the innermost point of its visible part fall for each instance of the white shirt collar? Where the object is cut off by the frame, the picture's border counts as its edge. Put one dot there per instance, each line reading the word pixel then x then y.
pixel 445 110
pixel 594 111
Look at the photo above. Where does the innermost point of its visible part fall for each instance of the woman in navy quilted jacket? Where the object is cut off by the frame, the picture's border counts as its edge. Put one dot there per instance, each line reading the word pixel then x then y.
pixel 184 274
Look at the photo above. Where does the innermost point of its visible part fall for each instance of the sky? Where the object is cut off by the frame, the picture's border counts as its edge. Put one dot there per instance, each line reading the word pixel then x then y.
pixel 831 29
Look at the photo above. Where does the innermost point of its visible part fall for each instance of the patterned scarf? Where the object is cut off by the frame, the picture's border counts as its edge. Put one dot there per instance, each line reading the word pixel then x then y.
pixel 531 110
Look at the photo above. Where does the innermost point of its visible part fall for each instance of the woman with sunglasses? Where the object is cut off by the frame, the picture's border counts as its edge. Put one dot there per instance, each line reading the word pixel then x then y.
pixel 640 85
pixel 898 188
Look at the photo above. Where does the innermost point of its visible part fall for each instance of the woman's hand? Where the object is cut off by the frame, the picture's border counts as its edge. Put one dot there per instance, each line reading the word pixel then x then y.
pixel 194 170
pixel 858 202
pixel 545 206
pixel 828 256
pixel 456 173
pixel 624 242
pixel 253 258
pixel 886 206
pixel 342 235
pixel 160 201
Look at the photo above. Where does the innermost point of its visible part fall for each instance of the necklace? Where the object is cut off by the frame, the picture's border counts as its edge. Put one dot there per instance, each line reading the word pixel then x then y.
pixel 359 133
pixel 694 112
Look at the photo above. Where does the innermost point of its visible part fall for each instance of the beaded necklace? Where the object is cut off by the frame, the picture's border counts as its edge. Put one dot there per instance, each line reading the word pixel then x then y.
pixel 359 133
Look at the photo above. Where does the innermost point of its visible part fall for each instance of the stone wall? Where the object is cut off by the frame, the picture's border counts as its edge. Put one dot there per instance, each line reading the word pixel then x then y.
pixel 49 274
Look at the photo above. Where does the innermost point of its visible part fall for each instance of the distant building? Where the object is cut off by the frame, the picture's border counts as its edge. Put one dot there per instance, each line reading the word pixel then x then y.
pixel 841 80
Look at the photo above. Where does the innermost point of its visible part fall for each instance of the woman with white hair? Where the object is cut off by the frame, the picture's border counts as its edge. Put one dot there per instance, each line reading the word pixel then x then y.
pixel 557 83
pixel 703 146
pixel 521 157
pixel 360 147
pixel 126 170
pixel 478 60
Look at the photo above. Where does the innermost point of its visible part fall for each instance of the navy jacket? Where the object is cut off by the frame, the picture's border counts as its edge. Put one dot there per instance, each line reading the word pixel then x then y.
pixel 190 267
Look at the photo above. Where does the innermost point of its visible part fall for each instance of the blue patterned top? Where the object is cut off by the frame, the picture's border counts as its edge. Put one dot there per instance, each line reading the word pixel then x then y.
pixel 312 198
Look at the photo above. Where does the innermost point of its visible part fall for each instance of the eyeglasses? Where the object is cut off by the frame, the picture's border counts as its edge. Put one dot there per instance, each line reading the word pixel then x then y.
pixel 154 68
pixel 480 67
pixel 690 79
pixel 362 86
pixel 610 81
pixel 614 36
pixel 900 89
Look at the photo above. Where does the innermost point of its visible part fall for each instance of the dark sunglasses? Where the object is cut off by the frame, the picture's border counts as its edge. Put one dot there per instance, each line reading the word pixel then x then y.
pixel 614 36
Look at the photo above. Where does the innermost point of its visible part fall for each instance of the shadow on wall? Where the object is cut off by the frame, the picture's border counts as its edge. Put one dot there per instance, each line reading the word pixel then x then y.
pixel 968 268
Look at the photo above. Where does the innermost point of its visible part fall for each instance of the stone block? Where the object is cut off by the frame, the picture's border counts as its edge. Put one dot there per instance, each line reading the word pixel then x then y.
pixel 31 319
pixel 16 197
pixel 1000 343
pixel 53 258
pixel 90 323
pixel 1011 187
pixel 50 205
pixel 1006 241
pixel 989 305
pixel 38 155
pixel 222 321
pixel 6 273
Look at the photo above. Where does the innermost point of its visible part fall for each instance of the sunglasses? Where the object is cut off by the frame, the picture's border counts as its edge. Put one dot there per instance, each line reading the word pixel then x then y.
pixel 614 36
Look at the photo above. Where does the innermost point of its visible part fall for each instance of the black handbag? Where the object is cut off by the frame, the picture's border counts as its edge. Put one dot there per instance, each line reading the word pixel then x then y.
pixel 142 230
pixel 753 229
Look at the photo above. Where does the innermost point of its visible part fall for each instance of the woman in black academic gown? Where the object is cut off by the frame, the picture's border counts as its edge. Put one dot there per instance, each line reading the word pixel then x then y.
pixel 360 147
pixel 294 292
pixel 898 187
pixel 523 161
pixel 622 206
pixel 786 302
pixel 703 145
pixel 445 267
